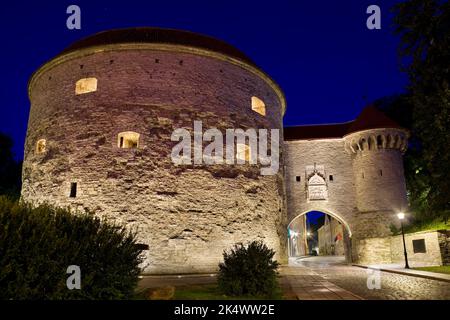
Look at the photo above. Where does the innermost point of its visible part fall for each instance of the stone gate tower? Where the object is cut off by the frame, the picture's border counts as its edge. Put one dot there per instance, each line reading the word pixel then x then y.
pixel 376 145
pixel 99 139
pixel 354 172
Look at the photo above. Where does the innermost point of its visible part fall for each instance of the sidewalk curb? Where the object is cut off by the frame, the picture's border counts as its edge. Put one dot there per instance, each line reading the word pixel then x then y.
pixel 431 277
pixel 179 276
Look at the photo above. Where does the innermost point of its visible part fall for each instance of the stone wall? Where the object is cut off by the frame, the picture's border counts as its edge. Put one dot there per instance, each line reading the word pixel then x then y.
pixel 372 251
pixel 186 214
pixel 298 245
pixel 389 250
pixel 432 256
pixel 331 238
pixel 444 244
pixel 331 154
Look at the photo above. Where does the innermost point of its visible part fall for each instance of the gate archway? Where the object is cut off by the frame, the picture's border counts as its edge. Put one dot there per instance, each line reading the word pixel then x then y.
pixel 297 233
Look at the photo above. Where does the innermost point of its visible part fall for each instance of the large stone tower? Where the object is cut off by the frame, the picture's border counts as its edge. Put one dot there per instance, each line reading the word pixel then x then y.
pixel 99 139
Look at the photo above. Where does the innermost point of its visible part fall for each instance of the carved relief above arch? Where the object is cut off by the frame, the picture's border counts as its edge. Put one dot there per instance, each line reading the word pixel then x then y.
pixel 317 188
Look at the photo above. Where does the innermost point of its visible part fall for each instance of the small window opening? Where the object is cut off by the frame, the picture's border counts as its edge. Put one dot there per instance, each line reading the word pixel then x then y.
pixel 379 142
pixel 156 60
pixel 41 146
pixel 381 173
pixel 86 85
pixel 298 178
pixel 419 246
pixel 142 246
pixel 128 140
pixel 73 190
pixel 331 177
pixel 243 152
pixel 258 106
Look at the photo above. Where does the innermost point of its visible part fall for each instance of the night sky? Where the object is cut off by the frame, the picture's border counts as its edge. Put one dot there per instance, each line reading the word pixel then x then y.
pixel 320 52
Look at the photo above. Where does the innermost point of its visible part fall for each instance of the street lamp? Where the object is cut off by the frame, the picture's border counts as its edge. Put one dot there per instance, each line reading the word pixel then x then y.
pixel 401 216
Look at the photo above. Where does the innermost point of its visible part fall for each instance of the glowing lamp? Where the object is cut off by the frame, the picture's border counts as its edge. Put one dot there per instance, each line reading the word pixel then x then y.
pixel 401 215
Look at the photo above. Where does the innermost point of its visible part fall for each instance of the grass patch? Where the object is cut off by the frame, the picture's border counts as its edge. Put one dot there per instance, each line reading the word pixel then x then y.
pixel 437 269
pixel 211 292
pixel 424 225
pixel 436 224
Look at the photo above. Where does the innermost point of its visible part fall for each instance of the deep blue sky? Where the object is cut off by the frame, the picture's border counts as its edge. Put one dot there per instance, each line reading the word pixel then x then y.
pixel 320 52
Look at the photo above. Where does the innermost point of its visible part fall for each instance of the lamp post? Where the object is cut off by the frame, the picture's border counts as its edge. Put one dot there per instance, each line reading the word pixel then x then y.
pixel 401 216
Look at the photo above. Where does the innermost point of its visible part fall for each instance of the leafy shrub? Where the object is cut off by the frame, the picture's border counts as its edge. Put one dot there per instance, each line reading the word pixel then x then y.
pixel 38 244
pixel 394 230
pixel 248 270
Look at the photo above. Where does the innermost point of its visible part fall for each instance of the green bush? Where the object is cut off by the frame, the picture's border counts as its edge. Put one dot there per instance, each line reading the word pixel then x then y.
pixel 38 244
pixel 248 270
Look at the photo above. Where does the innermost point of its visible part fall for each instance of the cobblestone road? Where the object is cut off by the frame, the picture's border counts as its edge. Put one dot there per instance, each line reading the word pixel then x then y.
pixel 393 286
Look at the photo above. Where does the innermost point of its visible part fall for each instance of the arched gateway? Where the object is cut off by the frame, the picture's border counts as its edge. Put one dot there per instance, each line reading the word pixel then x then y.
pixel 298 239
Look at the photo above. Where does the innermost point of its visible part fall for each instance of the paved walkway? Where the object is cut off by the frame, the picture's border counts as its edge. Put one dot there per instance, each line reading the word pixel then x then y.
pixel 393 286
pixel 305 284
pixel 147 282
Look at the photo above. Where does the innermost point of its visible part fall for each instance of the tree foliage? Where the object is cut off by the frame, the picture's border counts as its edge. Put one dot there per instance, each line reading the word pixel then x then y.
pixel 37 245
pixel 424 28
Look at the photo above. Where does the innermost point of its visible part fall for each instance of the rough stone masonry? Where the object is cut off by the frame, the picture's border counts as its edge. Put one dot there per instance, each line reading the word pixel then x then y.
pixel 101 118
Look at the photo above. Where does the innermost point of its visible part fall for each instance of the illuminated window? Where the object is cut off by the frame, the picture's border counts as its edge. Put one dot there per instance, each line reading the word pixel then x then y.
pixel 258 106
pixel 41 146
pixel 243 152
pixel 86 85
pixel 128 140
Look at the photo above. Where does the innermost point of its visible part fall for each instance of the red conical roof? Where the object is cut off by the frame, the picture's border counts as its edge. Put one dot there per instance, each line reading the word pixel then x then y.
pixel 369 118
pixel 372 118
